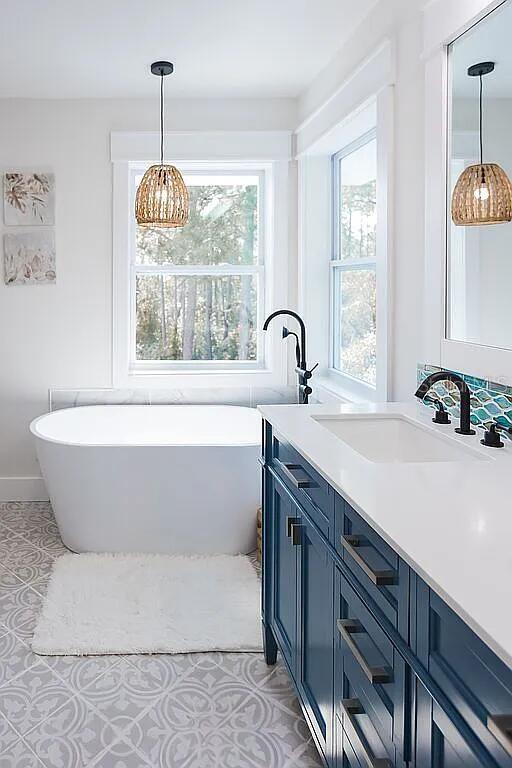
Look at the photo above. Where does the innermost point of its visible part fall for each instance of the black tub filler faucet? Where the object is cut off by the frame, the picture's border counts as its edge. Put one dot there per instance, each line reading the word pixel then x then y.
pixel 303 373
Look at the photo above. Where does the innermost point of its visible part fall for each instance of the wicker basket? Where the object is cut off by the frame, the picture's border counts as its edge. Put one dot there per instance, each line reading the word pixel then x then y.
pixel 258 534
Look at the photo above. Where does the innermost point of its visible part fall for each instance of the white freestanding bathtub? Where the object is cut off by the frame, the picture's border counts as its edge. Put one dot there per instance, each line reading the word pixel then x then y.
pixel 152 478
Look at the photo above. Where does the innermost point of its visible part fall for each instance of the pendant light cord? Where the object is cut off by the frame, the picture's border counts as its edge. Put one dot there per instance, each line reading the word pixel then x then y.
pixel 162 117
pixel 481 123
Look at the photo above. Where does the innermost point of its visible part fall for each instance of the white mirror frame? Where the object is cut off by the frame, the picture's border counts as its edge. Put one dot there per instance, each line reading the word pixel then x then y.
pixel 443 22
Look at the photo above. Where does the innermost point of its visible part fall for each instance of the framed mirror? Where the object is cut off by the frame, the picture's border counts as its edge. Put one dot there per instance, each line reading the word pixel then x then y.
pixel 479 193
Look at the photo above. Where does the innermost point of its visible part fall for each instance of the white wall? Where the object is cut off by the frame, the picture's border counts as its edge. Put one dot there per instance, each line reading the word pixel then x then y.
pixel 60 336
pixel 399 21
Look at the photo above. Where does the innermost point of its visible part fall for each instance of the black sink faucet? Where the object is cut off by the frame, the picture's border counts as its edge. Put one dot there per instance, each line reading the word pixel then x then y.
pixel 302 370
pixel 465 402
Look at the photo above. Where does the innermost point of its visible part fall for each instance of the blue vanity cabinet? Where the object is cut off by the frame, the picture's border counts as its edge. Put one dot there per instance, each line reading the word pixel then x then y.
pixel 285 533
pixel 387 674
pixel 315 611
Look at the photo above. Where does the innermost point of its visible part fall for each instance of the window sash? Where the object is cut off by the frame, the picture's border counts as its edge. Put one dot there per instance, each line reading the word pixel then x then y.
pixel 336 268
pixel 337 263
pixel 215 270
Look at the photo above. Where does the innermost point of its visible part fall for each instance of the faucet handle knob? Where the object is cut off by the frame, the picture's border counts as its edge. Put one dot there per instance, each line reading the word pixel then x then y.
pixel 491 438
pixel 442 416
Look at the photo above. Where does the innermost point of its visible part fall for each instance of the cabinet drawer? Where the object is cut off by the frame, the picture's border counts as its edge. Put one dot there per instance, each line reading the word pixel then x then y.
pixel 308 487
pixel 477 683
pixel 369 668
pixel 358 744
pixel 384 576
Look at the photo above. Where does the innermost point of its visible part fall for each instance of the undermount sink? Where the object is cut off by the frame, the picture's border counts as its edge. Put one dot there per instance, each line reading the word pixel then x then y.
pixel 393 438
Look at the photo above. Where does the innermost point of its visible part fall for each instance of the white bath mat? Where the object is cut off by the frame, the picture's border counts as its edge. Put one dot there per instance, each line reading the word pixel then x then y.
pixel 149 604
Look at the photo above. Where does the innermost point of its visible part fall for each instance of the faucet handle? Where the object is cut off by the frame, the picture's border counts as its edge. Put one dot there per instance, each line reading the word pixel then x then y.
pixel 491 438
pixel 308 374
pixel 442 416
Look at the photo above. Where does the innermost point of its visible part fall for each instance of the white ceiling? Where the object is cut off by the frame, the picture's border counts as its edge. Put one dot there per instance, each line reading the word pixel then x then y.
pixel 487 41
pixel 221 48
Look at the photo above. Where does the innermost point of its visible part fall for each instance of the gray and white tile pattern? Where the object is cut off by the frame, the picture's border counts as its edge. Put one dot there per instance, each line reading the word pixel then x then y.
pixel 187 711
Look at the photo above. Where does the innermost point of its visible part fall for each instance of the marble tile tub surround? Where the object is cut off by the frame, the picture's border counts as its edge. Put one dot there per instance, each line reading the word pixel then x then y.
pixel 490 401
pixel 245 396
pixel 187 711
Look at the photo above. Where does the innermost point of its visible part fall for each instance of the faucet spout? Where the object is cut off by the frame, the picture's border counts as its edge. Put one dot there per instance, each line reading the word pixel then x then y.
pixel 465 396
pixel 298 318
pixel 300 352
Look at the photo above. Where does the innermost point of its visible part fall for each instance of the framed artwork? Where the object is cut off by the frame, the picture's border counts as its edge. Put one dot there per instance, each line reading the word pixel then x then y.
pixel 29 199
pixel 29 258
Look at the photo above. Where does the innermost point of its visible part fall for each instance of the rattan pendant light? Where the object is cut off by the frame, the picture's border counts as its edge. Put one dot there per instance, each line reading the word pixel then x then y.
pixel 483 193
pixel 162 197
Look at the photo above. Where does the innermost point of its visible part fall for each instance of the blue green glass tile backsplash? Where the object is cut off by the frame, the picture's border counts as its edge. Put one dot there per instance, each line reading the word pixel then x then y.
pixel 489 401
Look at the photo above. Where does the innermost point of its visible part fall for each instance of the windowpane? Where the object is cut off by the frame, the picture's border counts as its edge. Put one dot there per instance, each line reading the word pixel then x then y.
pixel 358 203
pixel 355 353
pixel 196 318
pixel 222 228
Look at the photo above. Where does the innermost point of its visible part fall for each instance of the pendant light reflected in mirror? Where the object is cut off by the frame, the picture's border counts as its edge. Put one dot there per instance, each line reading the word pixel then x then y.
pixel 162 197
pixel 483 192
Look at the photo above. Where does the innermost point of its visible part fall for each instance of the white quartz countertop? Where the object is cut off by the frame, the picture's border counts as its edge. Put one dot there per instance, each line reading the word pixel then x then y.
pixel 450 521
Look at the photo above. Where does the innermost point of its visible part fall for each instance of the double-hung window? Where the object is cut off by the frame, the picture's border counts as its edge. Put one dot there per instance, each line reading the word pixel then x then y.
pixel 354 262
pixel 197 293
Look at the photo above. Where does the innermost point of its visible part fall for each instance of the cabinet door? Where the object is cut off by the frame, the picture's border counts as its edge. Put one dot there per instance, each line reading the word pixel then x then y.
pixel 316 641
pixel 438 743
pixel 285 533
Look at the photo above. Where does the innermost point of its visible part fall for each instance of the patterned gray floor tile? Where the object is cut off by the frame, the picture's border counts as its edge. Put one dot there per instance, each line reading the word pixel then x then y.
pixel 164 670
pixel 120 755
pixel 123 693
pixel 19 606
pixel 6 545
pixel 23 553
pixel 210 718
pixel 15 657
pixel 212 710
pixel 73 735
pixel 25 517
pixel 25 631
pixel 49 543
pixel 19 755
pixel 29 574
pixel 79 672
pixel 8 582
pixel 31 697
pixel 8 735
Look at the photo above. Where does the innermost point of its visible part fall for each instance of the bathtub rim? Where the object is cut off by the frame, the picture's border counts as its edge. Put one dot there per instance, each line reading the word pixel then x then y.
pixel 33 427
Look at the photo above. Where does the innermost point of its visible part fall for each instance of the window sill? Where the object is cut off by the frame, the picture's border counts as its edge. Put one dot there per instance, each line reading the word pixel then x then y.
pixel 331 389
pixel 176 379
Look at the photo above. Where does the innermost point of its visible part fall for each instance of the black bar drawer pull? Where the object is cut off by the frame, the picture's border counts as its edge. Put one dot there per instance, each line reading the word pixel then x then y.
pixel 295 528
pixel 353 707
pixel 501 728
pixel 349 627
pixel 379 578
pixel 288 469
pixel 290 522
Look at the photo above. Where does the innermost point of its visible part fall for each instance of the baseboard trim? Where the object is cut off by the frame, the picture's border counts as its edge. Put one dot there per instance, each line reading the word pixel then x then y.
pixel 23 489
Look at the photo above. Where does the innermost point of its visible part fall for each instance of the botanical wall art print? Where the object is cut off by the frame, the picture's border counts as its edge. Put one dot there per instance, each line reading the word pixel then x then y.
pixel 29 258
pixel 29 199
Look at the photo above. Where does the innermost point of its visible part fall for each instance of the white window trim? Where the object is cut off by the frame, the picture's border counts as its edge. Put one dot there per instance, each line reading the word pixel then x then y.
pixel 444 21
pixel 271 156
pixel 315 291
